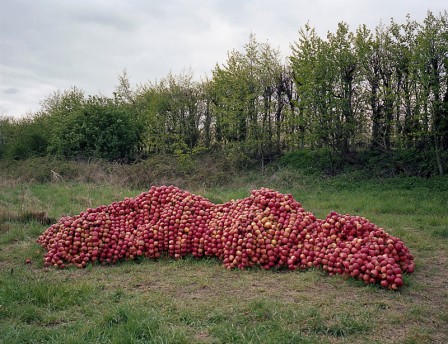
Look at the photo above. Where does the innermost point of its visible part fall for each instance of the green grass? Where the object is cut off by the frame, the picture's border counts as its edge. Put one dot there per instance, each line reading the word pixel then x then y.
pixel 198 301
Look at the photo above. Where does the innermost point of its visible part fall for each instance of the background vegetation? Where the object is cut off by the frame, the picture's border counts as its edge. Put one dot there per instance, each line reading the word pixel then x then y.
pixel 354 98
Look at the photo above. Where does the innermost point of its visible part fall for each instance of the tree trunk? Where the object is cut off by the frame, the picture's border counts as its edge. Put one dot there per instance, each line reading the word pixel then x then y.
pixel 438 157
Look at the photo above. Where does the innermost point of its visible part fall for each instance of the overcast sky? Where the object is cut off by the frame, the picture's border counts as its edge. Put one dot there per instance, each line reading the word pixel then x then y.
pixel 49 45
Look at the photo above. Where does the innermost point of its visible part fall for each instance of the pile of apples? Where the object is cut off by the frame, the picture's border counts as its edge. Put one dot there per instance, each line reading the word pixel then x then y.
pixel 267 229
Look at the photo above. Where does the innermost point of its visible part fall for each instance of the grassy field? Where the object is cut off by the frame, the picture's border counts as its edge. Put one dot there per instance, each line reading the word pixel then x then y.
pixel 198 301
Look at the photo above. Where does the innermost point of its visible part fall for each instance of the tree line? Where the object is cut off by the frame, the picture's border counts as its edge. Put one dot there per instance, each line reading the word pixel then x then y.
pixel 384 89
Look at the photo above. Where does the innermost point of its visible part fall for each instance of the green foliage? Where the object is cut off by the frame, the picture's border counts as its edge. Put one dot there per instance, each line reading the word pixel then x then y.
pixel 248 98
pixel 384 89
pixel 366 163
pixel 99 129
pixel 314 162
pixel 75 128
pixel 23 138
pixel 173 113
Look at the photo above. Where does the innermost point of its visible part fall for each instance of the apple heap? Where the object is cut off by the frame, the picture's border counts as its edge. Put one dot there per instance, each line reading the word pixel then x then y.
pixel 267 229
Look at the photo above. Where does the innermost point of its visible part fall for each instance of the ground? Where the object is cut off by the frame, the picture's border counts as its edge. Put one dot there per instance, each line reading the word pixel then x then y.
pixel 198 301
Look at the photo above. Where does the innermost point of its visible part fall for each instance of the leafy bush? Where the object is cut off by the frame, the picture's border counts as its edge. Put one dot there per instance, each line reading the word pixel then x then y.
pixel 321 161
pixel 99 129
pixel 22 139
pixel 370 163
